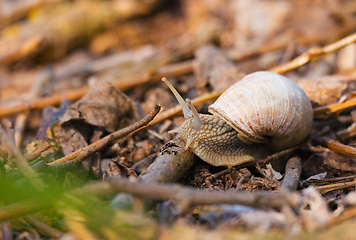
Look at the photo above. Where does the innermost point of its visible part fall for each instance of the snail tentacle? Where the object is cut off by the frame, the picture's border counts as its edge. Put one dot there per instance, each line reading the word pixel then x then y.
pixel 186 111
pixel 197 122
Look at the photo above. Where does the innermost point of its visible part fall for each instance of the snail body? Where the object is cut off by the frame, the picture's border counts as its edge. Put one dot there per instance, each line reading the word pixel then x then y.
pixel 262 113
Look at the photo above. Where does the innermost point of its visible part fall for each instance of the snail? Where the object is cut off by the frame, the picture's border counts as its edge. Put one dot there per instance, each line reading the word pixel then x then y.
pixel 262 113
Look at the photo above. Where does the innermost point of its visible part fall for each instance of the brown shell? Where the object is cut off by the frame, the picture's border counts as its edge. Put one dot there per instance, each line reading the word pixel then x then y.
pixel 266 107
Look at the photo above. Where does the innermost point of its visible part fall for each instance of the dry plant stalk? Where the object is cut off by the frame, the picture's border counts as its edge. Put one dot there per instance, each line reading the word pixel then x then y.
pixel 335 186
pixel 314 54
pixel 80 154
pixel 189 196
pixel 292 174
pixel 336 107
pixel 337 147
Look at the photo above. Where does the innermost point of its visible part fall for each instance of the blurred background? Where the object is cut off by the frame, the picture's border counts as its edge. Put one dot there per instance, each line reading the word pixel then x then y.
pixel 138 35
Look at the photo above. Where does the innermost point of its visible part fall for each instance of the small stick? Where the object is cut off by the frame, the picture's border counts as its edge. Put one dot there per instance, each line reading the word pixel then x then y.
pixel 271 157
pixel 337 179
pixel 246 174
pixel 171 164
pixel 267 173
pixel 215 176
pixel 292 174
pixel 331 187
pixel 337 147
pixel 157 191
pixel 192 196
pixel 144 163
pixel 336 107
pixel 43 228
pixel 80 154
pixel 313 54
pixel 317 149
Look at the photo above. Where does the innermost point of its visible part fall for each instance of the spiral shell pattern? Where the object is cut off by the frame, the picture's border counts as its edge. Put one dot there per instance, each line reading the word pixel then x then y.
pixel 268 108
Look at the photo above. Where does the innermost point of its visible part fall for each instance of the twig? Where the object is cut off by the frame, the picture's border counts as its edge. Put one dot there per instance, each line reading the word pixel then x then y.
pixel 80 154
pixel 21 162
pixel 43 228
pixel 272 157
pixel 336 107
pixel 267 173
pixel 246 174
pixel 188 195
pixel 331 187
pixel 171 164
pixel 215 176
pixel 144 163
pixel 317 149
pixel 292 174
pixel 337 179
pixel 313 54
pixel 156 191
pixel 337 147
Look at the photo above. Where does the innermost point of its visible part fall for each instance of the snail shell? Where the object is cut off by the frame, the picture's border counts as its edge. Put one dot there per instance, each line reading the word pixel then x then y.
pixel 268 108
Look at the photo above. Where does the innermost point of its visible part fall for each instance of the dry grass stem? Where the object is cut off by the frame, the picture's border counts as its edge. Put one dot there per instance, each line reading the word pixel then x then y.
pixel 336 107
pixel 314 54
pixel 292 174
pixel 338 147
pixel 335 186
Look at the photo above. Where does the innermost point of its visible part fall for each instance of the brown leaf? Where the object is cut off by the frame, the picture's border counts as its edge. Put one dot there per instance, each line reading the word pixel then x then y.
pixel 117 169
pixel 339 162
pixel 213 66
pixel 105 107
pixel 324 90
